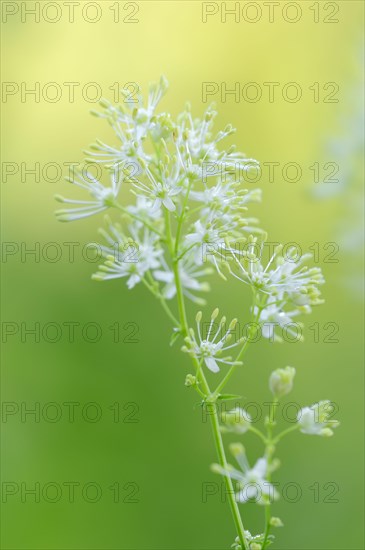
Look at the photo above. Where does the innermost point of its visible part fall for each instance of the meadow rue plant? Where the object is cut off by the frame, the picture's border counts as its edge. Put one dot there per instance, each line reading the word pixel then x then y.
pixel 188 221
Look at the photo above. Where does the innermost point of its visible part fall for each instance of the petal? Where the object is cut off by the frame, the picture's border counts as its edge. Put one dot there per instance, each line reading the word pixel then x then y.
pixel 260 467
pixel 242 496
pixel 167 202
pixel 133 280
pixel 170 291
pixel 156 205
pixel 232 473
pixel 211 364
pixel 164 276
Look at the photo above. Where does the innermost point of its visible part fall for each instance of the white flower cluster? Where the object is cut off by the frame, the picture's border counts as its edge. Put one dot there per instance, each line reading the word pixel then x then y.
pixel 254 484
pixel 286 287
pixel 255 542
pixel 175 168
pixel 188 195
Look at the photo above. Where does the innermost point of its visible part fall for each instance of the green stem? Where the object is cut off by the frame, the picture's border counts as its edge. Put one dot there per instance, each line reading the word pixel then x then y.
pixel 204 384
pixel 186 250
pixel 202 395
pixel 163 302
pixel 179 290
pixel 229 485
pixel 269 451
pixel 258 433
pixel 170 244
pixel 222 457
pixel 168 311
pixel 181 218
pixel 230 372
pixel 239 356
pixel 285 432
pixel 214 417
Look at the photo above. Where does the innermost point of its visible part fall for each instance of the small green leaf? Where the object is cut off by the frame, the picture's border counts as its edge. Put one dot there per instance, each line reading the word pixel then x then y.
pixel 228 397
pixel 175 335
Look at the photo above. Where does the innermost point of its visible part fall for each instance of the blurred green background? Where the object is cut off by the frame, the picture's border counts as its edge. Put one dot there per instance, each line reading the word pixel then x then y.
pixel 160 449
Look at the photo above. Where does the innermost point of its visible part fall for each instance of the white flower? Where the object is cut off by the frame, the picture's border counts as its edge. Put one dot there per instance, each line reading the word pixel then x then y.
pixel 205 237
pixel 127 153
pixel 225 197
pixel 141 254
pixel 189 273
pixel 161 189
pixel 281 275
pixel 144 209
pixel 103 197
pixel 156 92
pixel 209 349
pixel 236 420
pixel 131 122
pixel 273 316
pixel 224 206
pixel 315 420
pixel 253 485
pixel 204 233
pixel 196 149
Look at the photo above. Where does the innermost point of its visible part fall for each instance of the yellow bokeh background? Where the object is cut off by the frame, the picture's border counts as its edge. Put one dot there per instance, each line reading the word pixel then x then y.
pixel 168 452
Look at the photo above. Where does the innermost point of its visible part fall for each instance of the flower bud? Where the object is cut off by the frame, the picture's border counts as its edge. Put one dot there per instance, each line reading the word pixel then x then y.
pixel 215 314
pixel 276 522
pixel 237 544
pixel 190 380
pixel 281 381
pixel 198 317
pixel 237 449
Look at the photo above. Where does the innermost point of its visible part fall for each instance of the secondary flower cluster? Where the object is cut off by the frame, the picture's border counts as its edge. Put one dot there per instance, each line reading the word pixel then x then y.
pixel 285 286
pixel 253 482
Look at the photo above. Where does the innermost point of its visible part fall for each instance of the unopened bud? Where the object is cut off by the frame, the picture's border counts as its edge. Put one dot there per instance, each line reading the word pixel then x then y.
pixel 276 522
pixel 190 380
pixel 281 381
